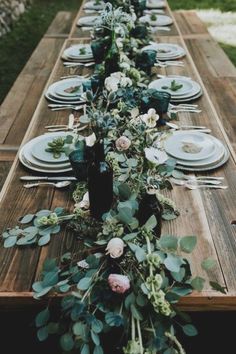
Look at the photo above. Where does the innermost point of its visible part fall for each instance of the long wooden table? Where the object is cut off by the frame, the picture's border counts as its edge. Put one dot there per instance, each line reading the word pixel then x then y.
pixel 206 213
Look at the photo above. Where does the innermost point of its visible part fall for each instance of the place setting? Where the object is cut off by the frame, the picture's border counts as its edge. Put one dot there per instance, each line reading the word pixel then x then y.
pixel 181 88
pixel 87 22
pixel 195 151
pixel 45 154
pixel 78 55
pixel 166 54
pixel 66 92
pixel 157 21
pixel 155 4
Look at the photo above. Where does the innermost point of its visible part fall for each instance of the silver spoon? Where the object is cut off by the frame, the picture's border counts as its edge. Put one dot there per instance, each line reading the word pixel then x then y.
pixel 61 184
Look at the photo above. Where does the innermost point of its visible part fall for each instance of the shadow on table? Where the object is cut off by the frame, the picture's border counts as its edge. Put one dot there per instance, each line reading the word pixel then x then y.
pixel 216 332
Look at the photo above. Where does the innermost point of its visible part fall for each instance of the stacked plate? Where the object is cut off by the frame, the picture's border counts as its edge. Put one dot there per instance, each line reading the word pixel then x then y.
pixel 94 5
pixel 166 51
pixel 181 88
pixel 88 21
pixel 195 151
pixel 67 91
pixel 161 20
pixel 155 4
pixel 78 52
pixel 33 155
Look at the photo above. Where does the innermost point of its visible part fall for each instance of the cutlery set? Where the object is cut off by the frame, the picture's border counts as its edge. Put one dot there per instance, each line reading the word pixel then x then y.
pixel 200 182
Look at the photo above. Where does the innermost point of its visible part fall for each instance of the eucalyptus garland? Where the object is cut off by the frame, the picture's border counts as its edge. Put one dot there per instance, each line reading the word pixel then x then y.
pixel 120 291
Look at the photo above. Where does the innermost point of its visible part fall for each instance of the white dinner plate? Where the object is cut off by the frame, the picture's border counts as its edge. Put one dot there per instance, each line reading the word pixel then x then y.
pixel 195 93
pixel 93 5
pixel 166 51
pixel 185 90
pixel 174 145
pixel 162 20
pixel 29 161
pixel 89 21
pixel 73 52
pixel 61 90
pixel 218 164
pixel 155 4
pixel 39 146
pixel 52 95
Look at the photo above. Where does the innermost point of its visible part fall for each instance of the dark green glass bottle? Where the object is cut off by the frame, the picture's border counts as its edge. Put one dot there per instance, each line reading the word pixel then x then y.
pixel 100 183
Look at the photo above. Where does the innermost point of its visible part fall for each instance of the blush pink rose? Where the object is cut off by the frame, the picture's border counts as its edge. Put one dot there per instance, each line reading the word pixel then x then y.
pixel 123 143
pixel 119 283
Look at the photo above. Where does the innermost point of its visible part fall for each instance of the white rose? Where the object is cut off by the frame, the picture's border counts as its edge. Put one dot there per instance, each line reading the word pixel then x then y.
pixel 85 204
pixel 155 156
pixel 125 81
pixel 150 118
pixel 90 140
pixel 115 247
pixel 111 84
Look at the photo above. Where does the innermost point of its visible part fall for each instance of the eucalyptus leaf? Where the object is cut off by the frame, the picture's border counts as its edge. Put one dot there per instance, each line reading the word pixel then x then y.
pixel 173 263
pixel 97 326
pixel 42 318
pixel 50 279
pixel 188 243
pixel 98 350
pixel 113 319
pixel 42 334
pixel 95 338
pixel 67 342
pixel 151 223
pixel 198 283
pixel 85 349
pixel 43 292
pixel 190 330
pixel 169 243
pixel 44 240
pixel 84 283
pixel 208 264
pixel 27 218
pixel 10 241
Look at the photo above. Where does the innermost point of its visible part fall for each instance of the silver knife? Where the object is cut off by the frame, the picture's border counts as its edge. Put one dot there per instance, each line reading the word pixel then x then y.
pixel 43 178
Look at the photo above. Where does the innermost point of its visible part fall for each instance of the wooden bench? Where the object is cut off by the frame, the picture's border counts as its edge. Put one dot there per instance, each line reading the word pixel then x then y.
pixel 215 68
pixel 20 103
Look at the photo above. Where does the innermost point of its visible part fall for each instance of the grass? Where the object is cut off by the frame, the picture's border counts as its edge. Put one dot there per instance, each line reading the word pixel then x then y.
pixel 17 46
pixel 223 5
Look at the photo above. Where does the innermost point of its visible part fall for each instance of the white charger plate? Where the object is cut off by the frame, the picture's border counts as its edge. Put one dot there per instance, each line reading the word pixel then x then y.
pixel 155 4
pixel 174 145
pixel 162 20
pixel 88 21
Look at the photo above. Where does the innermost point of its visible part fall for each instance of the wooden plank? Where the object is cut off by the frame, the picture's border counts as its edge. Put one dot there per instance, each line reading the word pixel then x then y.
pixel 61 25
pixel 189 23
pixel 15 118
pixel 209 57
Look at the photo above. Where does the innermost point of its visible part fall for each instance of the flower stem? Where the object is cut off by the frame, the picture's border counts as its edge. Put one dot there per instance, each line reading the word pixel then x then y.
pixel 140 337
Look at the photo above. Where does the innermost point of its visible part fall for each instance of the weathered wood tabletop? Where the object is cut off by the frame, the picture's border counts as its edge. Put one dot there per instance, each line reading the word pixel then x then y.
pixel 205 213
